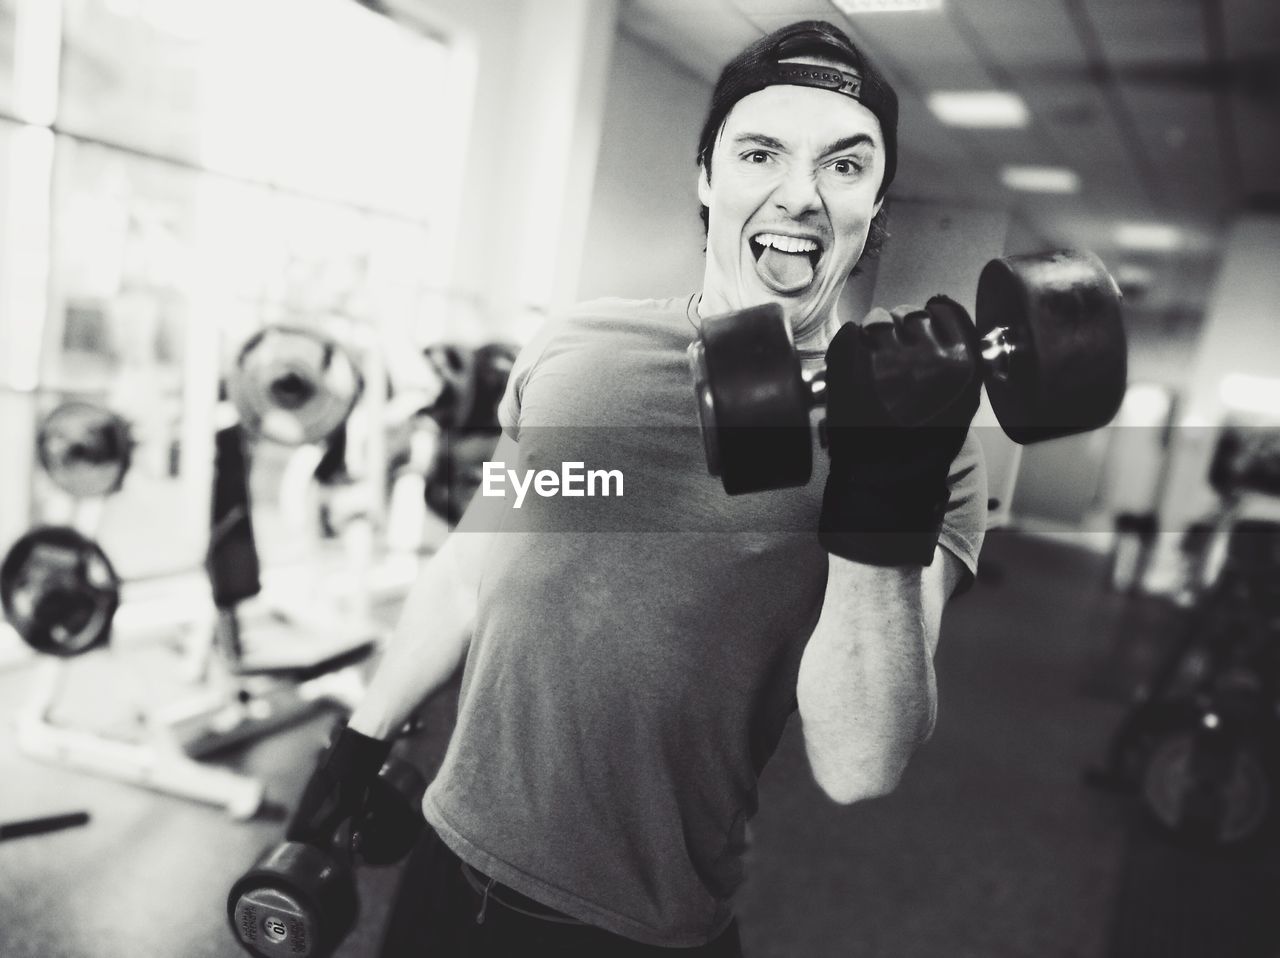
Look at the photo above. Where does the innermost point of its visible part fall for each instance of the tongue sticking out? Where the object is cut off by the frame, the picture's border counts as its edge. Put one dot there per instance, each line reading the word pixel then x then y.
pixel 787 271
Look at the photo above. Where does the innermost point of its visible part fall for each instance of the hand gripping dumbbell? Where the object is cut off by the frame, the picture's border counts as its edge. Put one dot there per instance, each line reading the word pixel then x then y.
pixel 1050 348
pixel 299 900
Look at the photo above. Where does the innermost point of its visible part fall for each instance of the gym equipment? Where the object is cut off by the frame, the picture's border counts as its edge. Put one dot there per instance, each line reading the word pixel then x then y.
pixel 1051 352
pixel 1210 782
pixel 289 386
pixel 294 385
pixel 296 900
pixel 257 675
pixel 1201 746
pixel 59 591
pixel 85 449
pixel 43 825
pixel 465 410
pixel 299 899
pixel 61 595
pixel 1246 460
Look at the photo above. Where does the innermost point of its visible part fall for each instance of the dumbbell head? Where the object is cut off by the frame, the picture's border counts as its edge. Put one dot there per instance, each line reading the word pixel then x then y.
pixel 392 819
pixel 753 401
pixel 297 901
pixel 1054 358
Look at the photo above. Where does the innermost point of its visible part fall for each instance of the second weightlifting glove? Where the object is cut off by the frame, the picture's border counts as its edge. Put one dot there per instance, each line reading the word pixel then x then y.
pixel 338 789
pixel 900 398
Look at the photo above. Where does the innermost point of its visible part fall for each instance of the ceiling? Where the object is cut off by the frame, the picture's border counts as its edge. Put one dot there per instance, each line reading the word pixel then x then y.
pixel 1168 110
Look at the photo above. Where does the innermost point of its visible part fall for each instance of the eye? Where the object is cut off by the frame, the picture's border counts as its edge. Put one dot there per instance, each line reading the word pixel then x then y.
pixel 847 167
pixel 757 157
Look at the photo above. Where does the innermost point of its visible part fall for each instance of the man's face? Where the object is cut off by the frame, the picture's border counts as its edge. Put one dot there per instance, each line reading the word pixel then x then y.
pixel 791 194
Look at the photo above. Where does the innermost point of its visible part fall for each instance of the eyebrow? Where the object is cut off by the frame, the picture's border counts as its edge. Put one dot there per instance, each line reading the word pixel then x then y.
pixel 768 142
pixel 848 143
pixel 759 139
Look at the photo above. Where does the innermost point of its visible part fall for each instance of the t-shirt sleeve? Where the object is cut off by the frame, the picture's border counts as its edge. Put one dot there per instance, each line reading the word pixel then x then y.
pixel 521 371
pixel 965 523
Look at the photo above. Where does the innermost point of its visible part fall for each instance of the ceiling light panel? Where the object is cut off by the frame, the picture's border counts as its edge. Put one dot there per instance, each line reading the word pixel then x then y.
pixel 1041 179
pixel 1157 237
pixel 979 109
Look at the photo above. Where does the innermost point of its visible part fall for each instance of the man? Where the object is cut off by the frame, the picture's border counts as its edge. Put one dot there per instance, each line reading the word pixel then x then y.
pixel 630 663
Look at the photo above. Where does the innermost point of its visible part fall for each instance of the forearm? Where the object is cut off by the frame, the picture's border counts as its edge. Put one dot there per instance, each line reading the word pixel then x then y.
pixel 429 643
pixel 866 688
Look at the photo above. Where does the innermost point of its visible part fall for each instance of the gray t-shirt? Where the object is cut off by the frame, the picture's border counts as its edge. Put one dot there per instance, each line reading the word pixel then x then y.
pixel 634 659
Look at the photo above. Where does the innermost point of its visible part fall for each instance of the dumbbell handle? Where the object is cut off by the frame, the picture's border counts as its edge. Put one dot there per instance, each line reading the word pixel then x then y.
pixel 996 350
pixel 816 381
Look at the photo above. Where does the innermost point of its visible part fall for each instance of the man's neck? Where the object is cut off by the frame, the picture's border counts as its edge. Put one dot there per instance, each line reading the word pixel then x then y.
pixel 811 334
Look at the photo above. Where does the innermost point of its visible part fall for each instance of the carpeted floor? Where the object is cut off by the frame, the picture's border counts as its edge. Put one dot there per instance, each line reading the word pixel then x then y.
pixel 991 847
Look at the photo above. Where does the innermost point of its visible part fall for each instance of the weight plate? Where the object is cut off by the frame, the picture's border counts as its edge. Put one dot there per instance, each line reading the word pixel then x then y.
pixel 753 401
pixel 454 365
pixel 1226 806
pixel 1067 368
pixel 294 386
pixel 84 448
pixel 59 591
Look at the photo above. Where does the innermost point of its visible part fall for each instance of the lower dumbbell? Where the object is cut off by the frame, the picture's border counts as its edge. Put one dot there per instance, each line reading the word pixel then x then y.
pixel 1050 350
pixel 300 900
pixel 297 900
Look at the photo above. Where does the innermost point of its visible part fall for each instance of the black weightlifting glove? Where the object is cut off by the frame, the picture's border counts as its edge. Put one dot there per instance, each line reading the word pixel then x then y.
pixel 338 789
pixel 900 398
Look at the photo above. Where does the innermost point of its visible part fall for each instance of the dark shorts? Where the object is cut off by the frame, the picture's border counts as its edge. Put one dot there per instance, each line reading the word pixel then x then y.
pixel 445 909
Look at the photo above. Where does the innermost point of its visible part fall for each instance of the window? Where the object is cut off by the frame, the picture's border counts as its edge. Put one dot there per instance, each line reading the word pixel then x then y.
pixel 215 168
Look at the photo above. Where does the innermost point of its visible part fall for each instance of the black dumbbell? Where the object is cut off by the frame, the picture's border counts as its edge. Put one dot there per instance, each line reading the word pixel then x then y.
pixel 299 900
pixel 1051 353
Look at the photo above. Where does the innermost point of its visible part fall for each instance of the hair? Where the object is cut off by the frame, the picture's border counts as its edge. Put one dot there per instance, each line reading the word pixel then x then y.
pixel 756 67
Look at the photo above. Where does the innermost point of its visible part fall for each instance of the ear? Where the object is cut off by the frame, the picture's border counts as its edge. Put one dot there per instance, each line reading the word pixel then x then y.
pixel 704 186
pixel 879 203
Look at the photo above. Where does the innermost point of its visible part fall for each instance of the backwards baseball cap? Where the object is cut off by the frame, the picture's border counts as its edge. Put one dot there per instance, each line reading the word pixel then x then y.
pixel 760 66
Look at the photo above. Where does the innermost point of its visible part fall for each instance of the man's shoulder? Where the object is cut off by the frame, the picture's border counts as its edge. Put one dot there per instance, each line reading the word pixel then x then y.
pixel 672 308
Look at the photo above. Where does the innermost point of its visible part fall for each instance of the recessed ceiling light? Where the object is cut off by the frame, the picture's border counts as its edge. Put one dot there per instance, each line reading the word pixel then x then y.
pixel 1150 236
pixel 979 109
pixel 1041 179
pixel 887 6
pixel 1133 275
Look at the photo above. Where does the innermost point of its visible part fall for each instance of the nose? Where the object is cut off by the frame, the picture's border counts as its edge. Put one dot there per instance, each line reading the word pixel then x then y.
pixel 797 193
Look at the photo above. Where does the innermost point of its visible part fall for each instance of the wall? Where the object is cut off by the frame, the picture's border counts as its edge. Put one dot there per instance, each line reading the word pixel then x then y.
pixel 539 72
pixel 1241 335
pixel 644 237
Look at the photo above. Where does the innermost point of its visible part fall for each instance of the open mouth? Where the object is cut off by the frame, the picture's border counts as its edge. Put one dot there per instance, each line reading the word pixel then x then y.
pixel 786 264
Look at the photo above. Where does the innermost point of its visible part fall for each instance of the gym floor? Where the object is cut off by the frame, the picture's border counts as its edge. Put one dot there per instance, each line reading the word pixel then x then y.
pixel 990 847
